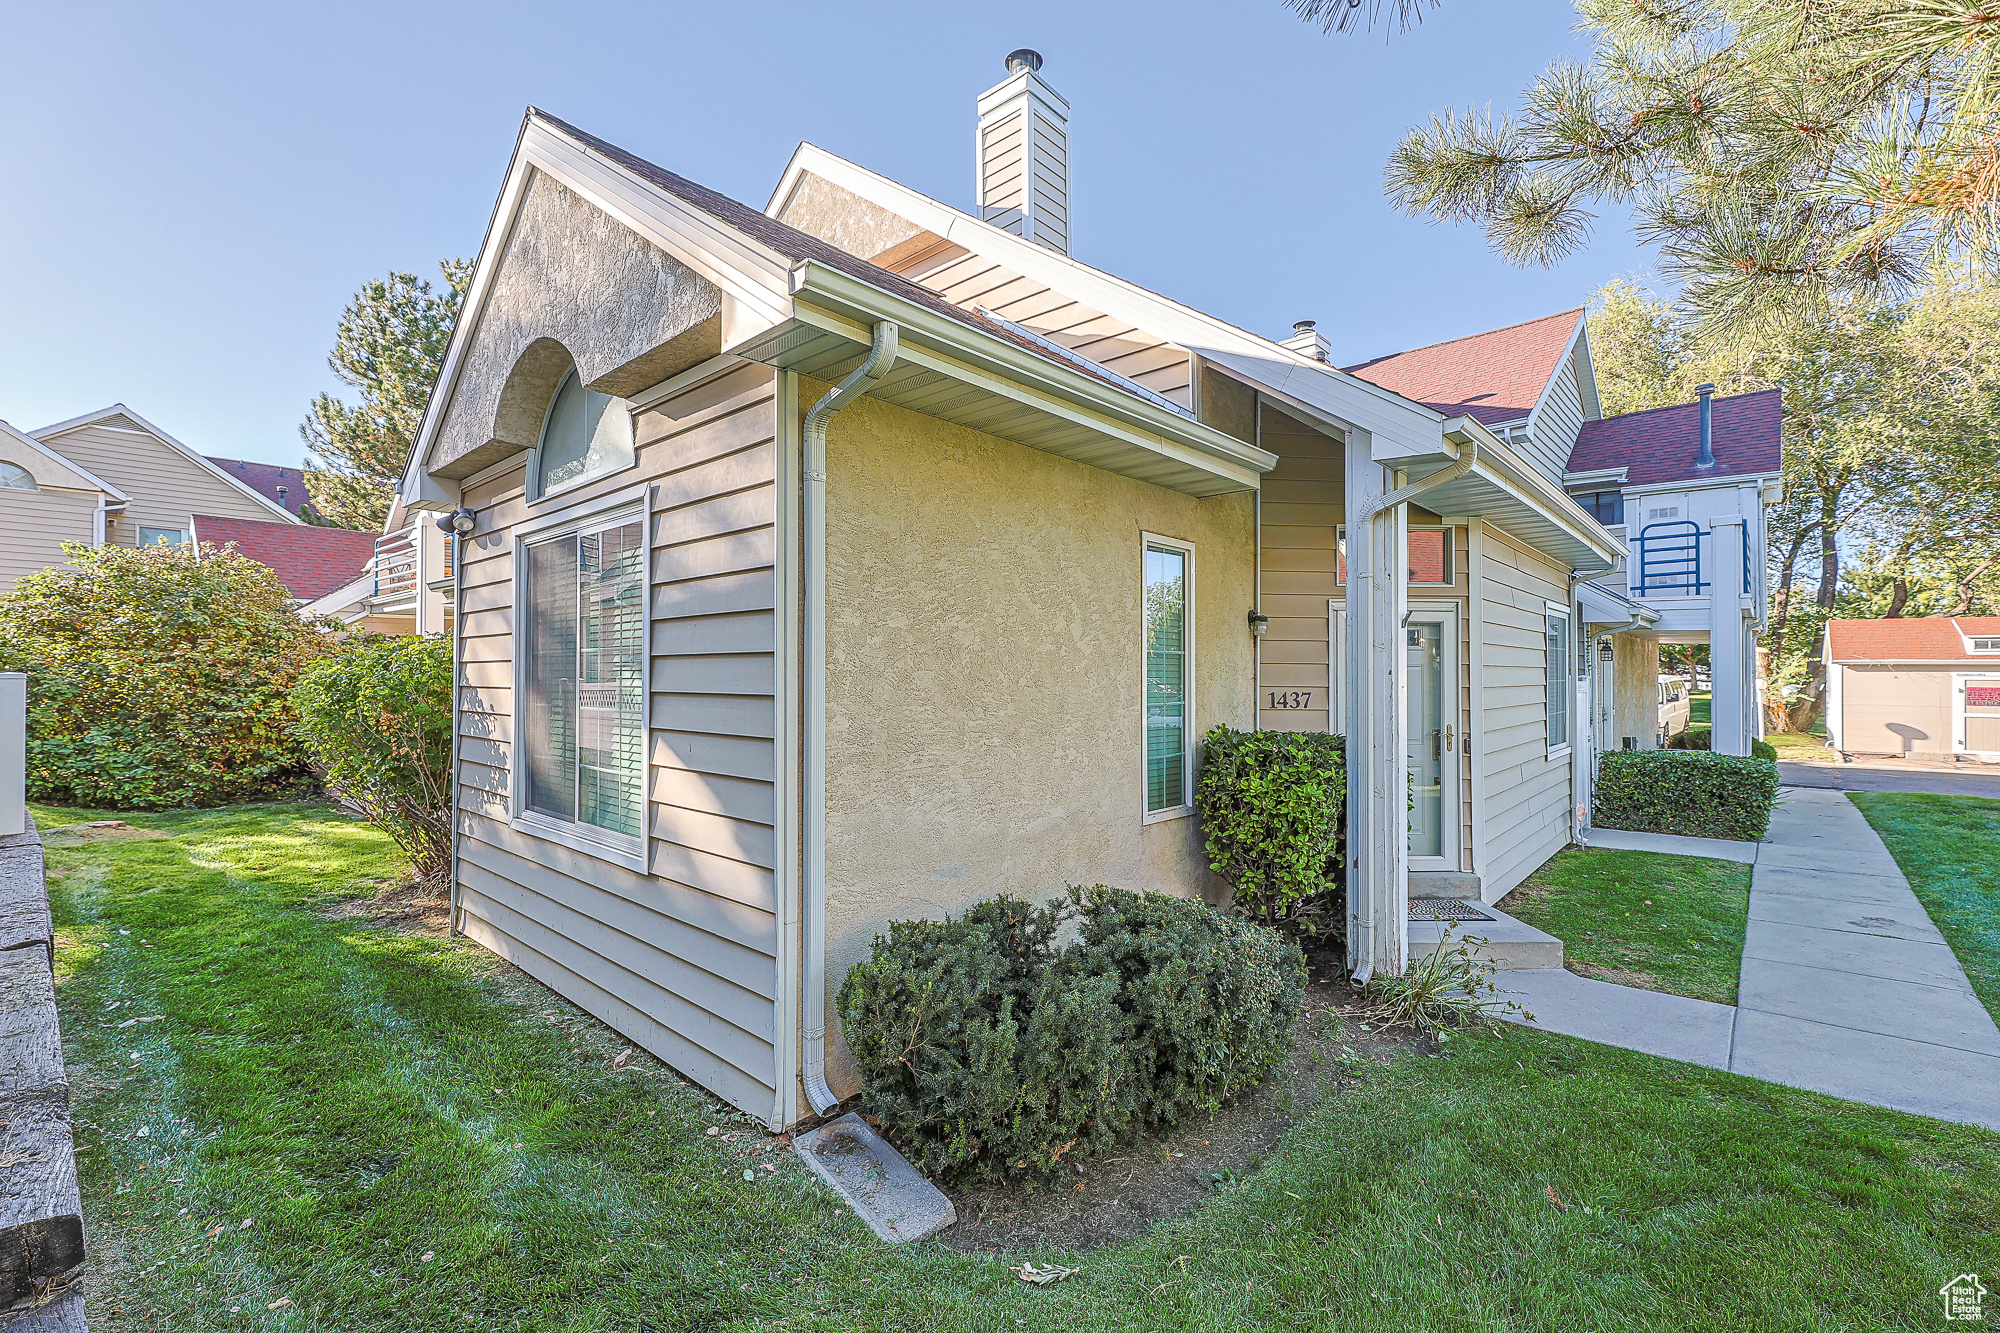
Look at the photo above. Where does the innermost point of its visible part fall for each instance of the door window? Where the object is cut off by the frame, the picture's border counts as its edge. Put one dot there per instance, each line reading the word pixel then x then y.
pixel 1424 645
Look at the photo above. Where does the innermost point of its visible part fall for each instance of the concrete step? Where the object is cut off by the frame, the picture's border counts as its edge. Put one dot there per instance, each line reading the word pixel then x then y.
pixel 1510 944
pixel 1460 884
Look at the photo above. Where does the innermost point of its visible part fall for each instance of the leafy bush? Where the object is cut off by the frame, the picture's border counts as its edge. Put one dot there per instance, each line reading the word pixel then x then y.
pixel 1698 738
pixel 1272 807
pixel 986 1048
pixel 1212 998
pixel 1697 793
pixel 158 677
pixel 378 720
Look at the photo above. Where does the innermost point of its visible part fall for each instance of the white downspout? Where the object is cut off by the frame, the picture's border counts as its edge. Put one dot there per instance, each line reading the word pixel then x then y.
pixel 99 522
pixel 881 357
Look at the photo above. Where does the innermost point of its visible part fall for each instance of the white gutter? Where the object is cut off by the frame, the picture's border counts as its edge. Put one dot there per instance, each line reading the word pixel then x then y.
pixel 881 357
pixel 1468 454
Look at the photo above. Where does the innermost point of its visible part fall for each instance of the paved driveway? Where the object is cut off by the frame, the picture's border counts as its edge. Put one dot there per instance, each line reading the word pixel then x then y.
pixel 1962 780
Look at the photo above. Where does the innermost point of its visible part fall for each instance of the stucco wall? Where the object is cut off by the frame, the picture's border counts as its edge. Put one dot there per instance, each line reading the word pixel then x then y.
pixel 1635 689
pixel 984 731
pixel 572 282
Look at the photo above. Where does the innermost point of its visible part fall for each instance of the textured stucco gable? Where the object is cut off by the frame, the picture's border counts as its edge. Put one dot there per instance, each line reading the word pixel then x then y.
pixel 571 283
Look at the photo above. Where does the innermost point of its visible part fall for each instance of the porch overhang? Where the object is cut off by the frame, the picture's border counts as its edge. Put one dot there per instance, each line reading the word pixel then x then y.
pixel 1503 489
pixel 956 373
pixel 1604 608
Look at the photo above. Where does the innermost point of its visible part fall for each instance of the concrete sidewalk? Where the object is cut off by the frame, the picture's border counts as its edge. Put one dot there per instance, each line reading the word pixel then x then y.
pixel 1847 988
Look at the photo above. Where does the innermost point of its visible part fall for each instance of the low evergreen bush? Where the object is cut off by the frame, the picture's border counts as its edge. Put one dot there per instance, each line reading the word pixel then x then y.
pixel 987 1048
pixel 1693 792
pixel 1272 807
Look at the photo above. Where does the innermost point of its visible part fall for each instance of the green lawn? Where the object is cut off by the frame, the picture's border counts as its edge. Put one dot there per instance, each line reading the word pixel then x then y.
pixel 418 1146
pixel 1667 923
pixel 1949 847
pixel 1698 701
pixel 1801 745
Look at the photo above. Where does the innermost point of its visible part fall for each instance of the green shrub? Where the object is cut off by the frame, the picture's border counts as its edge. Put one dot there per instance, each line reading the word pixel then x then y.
pixel 1273 807
pixel 1696 793
pixel 378 720
pixel 1697 738
pixel 158 677
pixel 1212 998
pixel 985 1048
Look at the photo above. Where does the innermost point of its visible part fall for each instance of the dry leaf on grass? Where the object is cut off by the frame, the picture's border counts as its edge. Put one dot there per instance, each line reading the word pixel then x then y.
pixel 1043 1276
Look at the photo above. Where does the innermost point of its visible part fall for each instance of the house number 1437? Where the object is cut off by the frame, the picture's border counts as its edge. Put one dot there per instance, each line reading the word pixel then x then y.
pixel 1291 698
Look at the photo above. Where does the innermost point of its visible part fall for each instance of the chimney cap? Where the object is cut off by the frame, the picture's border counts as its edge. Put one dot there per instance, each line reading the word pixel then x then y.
pixel 1703 390
pixel 1024 59
pixel 1304 325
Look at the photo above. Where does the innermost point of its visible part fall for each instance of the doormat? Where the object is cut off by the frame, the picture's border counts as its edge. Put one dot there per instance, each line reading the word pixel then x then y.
pixel 1445 909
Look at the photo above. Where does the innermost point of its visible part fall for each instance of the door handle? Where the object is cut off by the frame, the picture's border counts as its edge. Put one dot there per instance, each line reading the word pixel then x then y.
pixel 1450 740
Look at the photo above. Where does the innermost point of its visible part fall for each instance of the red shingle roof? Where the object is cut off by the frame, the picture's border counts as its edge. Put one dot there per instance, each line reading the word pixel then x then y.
pixel 1491 377
pixel 266 478
pixel 1661 445
pixel 1917 639
pixel 310 561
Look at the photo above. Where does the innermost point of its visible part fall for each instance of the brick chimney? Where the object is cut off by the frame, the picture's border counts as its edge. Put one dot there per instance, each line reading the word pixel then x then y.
pixel 1023 155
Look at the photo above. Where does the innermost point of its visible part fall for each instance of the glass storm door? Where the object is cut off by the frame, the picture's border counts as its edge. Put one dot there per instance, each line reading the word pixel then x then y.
pixel 1431 700
pixel 1979 714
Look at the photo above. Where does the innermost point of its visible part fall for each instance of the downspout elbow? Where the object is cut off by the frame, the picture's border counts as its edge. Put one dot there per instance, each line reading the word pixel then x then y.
pixel 880 360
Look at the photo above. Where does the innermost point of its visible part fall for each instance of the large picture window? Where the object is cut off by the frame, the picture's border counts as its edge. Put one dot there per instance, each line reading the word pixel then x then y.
pixel 1168 594
pixel 583 727
pixel 1560 689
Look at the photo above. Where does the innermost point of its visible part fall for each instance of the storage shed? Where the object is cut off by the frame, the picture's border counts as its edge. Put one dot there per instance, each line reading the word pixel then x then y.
pixel 1927 685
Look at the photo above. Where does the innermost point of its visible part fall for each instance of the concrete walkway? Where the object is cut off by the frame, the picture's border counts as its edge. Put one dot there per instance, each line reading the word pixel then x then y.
pixel 1847 987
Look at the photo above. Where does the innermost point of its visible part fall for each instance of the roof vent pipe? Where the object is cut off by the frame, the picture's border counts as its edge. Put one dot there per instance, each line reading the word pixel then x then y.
pixel 1706 458
pixel 1306 340
pixel 1023 155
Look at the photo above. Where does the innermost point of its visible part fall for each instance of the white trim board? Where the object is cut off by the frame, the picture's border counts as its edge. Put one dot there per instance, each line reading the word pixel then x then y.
pixel 120 410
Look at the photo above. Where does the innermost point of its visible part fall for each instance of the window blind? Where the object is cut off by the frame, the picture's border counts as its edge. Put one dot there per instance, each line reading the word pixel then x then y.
pixel 1558 672
pixel 584 705
pixel 1166 677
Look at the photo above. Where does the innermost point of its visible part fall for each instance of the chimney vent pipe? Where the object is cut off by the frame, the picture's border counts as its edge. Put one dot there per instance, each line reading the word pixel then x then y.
pixel 1706 458
pixel 1305 339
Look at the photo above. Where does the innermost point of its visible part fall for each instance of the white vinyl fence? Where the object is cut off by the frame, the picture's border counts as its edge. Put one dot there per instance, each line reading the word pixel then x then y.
pixel 13 752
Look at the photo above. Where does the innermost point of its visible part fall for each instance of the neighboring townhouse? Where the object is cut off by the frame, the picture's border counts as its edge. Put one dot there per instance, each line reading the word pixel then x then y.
pixel 862 558
pixel 405 584
pixel 285 485
pixel 1926 686
pixel 109 477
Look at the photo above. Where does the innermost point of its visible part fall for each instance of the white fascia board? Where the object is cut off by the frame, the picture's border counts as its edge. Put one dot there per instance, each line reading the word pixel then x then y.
pixel 1505 468
pixel 1735 481
pixel 1549 386
pixel 1342 398
pixel 1599 476
pixel 1586 371
pixel 976 357
pixel 752 273
pixel 340 599
pixel 76 471
pixel 120 410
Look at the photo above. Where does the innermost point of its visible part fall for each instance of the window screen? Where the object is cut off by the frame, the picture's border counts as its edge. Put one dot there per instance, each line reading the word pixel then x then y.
pixel 1559 689
pixel 583 705
pixel 1166 585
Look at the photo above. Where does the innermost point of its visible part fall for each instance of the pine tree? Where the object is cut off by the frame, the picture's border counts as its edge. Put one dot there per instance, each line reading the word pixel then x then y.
pixel 390 345
pixel 1773 149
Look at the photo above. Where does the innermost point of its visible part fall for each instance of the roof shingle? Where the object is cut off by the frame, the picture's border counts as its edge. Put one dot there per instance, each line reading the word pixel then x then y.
pixel 1661 445
pixel 266 478
pixel 1492 377
pixel 310 561
pixel 1915 639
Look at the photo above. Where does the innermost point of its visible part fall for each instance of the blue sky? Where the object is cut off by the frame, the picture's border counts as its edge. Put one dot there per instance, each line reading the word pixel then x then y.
pixel 194 191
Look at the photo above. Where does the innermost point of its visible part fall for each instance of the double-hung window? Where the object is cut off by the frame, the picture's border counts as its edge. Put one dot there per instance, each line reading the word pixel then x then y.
pixel 1561 692
pixel 1167 596
pixel 583 679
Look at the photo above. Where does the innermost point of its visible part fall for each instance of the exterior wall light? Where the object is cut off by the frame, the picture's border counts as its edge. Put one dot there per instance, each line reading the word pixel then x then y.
pixel 1259 622
pixel 460 521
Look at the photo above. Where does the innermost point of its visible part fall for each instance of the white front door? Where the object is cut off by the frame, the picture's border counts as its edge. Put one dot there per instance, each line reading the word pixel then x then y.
pixel 1430 641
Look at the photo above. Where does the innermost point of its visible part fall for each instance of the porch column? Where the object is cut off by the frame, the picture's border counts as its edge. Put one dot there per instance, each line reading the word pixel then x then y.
pixel 1376 726
pixel 1728 641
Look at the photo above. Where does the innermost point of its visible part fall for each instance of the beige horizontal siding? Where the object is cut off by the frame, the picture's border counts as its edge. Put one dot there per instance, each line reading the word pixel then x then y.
pixel 35 524
pixel 166 486
pixel 681 959
pixel 1527 793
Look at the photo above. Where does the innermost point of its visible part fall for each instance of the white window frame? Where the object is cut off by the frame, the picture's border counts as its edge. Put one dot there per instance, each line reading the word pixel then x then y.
pixel 1451 552
pixel 140 539
pixel 1186 808
pixel 536 495
pixel 1973 642
pixel 1552 610
pixel 632 853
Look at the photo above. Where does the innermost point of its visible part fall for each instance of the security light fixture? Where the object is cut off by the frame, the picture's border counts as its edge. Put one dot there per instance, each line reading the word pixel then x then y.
pixel 460 521
pixel 1259 622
